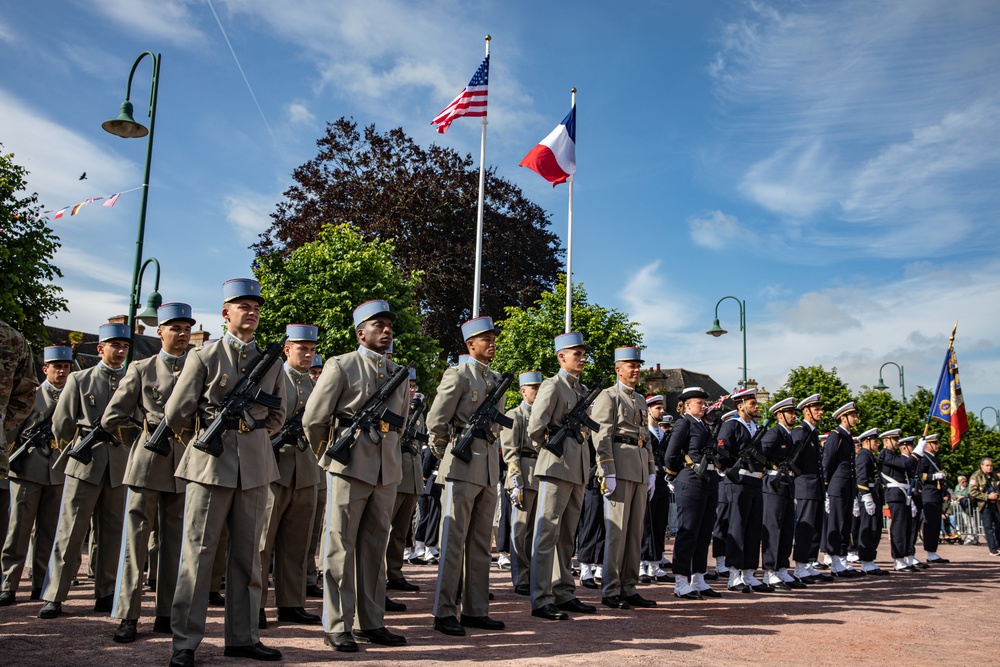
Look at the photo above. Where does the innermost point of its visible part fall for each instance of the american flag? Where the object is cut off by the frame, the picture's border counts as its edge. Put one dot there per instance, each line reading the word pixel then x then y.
pixel 470 102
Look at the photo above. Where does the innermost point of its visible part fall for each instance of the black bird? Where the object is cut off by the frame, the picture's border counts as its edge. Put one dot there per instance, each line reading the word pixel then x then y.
pixel 83 176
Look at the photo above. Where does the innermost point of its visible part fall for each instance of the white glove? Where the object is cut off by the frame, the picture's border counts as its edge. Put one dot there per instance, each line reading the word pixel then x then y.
pixel 857 508
pixel 515 497
pixel 921 446
pixel 939 475
pixel 608 487
pixel 913 510
pixel 869 504
pixel 826 505
pixel 651 485
pixel 670 485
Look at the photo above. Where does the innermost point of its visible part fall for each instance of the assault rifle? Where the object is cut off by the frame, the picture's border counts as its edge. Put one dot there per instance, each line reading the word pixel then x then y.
pixel 38 435
pixel 573 420
pixel 159 442
pixel 748 452
pixel 710 451
pixel 82 451
pixel 370 416
pixel 289 434
pixel 788 465
pixel 410 432
pixel 479 425
pixel 235 410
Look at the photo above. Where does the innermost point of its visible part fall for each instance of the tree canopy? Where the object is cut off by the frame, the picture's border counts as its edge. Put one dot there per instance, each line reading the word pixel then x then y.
pixel 27 246
pixel 323 281
pixel 425 201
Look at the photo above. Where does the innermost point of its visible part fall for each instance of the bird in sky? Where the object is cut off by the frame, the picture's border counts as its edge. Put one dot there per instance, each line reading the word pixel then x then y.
pixel 83 176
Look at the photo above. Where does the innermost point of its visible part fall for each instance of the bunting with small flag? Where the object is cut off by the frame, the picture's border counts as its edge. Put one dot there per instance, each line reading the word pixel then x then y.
pixel 948 405
pixel 109 201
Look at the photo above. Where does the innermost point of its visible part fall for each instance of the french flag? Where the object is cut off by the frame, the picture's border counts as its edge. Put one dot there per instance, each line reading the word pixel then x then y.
pixel 554 159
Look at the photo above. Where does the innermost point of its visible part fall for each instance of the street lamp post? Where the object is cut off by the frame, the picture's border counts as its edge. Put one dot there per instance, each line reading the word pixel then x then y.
pixel 717 330
pixel 126 127
pixel 996 413
pixel 881 386
pixel 150 316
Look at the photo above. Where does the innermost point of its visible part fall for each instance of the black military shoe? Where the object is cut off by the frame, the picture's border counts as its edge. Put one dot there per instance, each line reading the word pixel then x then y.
pixel 104 604
pixel 709 593
pixel 182 658
pixel 380 636
pixel 796 585
pixel 162 624
pixel 550 612
pixel 575 605
pixel 50 610
pixel 710 576
pixel 256 652
pixel 298 615
pixel 6 598
pixel 615 602
pixel 401 585
pixel 449 625
pixel 215 599
pixel 741 588
pixel 314 591
pixel 637 600
pixel 482 622
pixel 522 589
pixel 589 582
pixel 393 606
pixel 342 642
pixel 126 632
pixel 763 588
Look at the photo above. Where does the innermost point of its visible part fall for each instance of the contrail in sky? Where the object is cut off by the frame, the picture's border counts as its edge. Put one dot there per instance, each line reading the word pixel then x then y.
pixel 226 37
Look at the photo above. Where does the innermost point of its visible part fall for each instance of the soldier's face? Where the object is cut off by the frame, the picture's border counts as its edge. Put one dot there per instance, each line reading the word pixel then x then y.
pixel 852 419
pixel 655 412
pixel 315 372
pixel 695 407
pixel 892 444
pixel 376 334
pixel 933 447
pixel 572 360
pixel 750 407
pixel 299 354
pixel 628 372
pixel 814 412
pixel 56 373
pixel 529 392
pixel 175 336
pixel 242 316
pixel 113 352
pixel 413 389
pixel 483 347
pixel 787 418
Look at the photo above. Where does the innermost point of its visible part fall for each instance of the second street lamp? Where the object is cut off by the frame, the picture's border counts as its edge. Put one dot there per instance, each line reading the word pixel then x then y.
pixel 881 386
pixel 717 330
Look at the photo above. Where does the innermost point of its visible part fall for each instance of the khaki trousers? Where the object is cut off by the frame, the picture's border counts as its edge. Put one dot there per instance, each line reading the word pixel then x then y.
pixel 287 529
pixel 402 520
pixel 556 517
pixel 312 576
pixel 624 511
pixel 207 509
pixel 466 531
pixel 522 528
pixel 34 507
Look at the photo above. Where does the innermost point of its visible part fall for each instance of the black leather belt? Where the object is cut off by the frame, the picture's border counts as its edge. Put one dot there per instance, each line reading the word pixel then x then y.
pixel 347 423
pixel 529 455
pixel 626 440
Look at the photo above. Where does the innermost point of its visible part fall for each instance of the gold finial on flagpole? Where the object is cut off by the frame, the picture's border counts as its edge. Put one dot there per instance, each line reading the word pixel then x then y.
pixel 951 343
pixel 572 90
pixel 488 38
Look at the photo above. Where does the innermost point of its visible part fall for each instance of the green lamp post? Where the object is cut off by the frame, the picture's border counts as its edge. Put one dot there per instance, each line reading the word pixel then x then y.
pixel 717 330
pixel 881 386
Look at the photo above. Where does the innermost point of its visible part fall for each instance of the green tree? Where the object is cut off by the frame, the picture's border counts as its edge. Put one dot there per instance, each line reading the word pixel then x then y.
pixel 526 341
pixel 877 409
pixel 805 381
pixel 27 246
pixel 323 281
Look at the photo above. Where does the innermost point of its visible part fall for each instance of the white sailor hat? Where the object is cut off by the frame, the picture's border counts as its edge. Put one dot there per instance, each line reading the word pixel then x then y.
pixel 931 437
pixel 476 326
pixel 729 415
pixel 654 399
pixel 812 400
pixel 112 331
pixel 823 436
pixel 57 353
pixel 692 392
pixel 529 378
pixel 666 420
pixel 241 288
pixel 372 309
pixel 169 312
pixel 784 404
pixel 628 354
pixel 845 409
pixel 744 394
pixel 907 440
pixel 317 360
pixel 568 340
pixel 891 433
pixel 413 374
pixel 306 333
pixel 870 434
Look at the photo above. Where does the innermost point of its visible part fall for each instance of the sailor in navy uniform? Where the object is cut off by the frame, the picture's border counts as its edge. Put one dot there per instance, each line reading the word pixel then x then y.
pixel 779 505
pixel 841 488
pixel 932 491
pixel 655 526
pixel 809 492
pixel 720 531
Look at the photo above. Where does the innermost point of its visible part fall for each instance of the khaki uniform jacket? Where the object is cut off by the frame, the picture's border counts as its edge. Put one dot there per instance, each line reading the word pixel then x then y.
pixel 518 452
pixel 413 476
pixel 209 374
pixel 294 462
pixel 84 398
pixel 39 463
pixel 556 397
pixel 462 390
pixel 979 488
pixel 142 395
pixel 621 412
pixel 347 382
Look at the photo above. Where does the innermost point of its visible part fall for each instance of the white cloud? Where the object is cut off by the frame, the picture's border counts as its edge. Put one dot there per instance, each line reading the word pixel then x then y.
pixel 299 114
pixel 166 20
pixel 717 230
pixel 95 61
pixel 249 214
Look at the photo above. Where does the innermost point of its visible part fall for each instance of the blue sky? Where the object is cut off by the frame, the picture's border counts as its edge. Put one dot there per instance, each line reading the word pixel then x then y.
pixel 833 164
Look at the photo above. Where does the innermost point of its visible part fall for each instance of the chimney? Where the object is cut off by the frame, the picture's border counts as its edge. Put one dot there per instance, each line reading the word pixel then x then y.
pixel 657 368
pixel 118 319
pixel 199 337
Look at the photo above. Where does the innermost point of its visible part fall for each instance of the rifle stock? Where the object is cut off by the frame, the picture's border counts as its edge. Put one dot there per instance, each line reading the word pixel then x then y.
pixel 368 418
pixel 159 442
pixel 82 451
pixel 36 436
pixel 479 422
pixel 573 420
pixel 749 451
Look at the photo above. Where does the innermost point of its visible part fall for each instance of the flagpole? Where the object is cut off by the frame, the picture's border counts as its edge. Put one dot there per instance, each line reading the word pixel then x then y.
pixel 479 212
pixel 569 245
pixel 951 351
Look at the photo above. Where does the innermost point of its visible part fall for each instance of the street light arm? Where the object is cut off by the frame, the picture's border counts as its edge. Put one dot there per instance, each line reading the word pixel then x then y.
pixel 902 381
pixel 742 305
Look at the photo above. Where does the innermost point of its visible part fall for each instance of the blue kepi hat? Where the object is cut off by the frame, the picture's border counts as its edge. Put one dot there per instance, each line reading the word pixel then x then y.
pixel 169 312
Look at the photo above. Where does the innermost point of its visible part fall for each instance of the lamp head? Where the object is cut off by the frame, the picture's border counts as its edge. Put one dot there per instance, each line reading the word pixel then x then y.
pixel 149 317
pixel 716 330
pixel 881 386
pixel 125 126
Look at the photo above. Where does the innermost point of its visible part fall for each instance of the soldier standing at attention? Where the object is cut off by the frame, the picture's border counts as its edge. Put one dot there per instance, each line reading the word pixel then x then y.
pixel 628 478
pixel 654 528
pixel 313 589
pixel 291 499
pixel 469 499
pixel 155 494
pixel 841 488
pixel 932 480
pixel 870 491
pixel 36 487
pixel 779 506
pixel 225 490
pixel 93 489
pixel 561 481
pixel 360 494
pixel 520 457
pixel 808 491
pixel 896 469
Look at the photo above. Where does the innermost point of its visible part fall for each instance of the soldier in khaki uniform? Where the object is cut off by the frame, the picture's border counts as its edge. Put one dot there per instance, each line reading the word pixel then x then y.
pixel 522 487
pixel 154 493
pixel 561 482
pixel 94 489
pixel 226 490
pixel 628 476
pixel 360 495
pixel 469 499
pixel 35 489
pixel 407 494
pixel 313 589
pixel 291 499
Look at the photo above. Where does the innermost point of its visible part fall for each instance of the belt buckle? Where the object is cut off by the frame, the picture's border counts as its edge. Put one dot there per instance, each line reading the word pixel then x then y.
pixel 243 428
